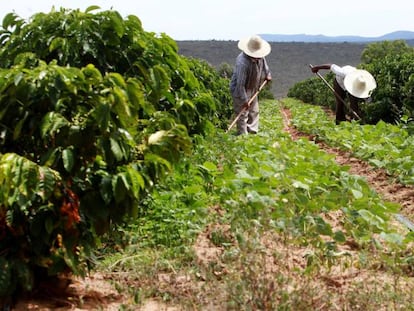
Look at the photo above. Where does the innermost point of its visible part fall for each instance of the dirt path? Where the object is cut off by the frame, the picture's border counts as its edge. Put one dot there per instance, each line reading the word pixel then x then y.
pixel 378 179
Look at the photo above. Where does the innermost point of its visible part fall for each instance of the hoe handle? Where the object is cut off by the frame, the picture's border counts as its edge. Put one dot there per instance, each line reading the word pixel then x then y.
pixel 246 106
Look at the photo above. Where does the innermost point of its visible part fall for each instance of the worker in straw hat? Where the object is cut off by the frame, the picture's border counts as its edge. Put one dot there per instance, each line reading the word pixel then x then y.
pixel 250 72
pixel 358 84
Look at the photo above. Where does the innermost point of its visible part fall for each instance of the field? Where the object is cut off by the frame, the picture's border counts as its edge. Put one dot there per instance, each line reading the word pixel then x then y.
pixel 239 260
pixel 286 219
pixel 289 62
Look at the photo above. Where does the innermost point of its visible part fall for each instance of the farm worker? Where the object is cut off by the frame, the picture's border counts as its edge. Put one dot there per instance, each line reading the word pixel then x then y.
pixel 358 84
pixel 250 71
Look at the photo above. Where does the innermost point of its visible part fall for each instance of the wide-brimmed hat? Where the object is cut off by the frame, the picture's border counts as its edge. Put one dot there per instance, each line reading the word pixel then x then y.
pixel 360 83
pixel 254 46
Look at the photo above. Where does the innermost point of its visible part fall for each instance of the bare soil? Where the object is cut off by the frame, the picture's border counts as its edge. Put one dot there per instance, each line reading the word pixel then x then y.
pixel 95 292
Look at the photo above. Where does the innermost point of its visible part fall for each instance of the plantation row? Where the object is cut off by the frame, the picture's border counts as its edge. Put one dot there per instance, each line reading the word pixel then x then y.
pixel 94 111
pixel 242 189
pixel 383 145
pixel 110 139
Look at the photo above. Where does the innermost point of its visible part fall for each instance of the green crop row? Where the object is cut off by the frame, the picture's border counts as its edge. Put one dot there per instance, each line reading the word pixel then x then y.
pixel 383 145
pixel 240 189
pixel 285 185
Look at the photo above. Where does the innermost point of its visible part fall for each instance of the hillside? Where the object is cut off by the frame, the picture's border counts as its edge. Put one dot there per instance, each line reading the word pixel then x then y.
pixel 289 61
pixel 396 35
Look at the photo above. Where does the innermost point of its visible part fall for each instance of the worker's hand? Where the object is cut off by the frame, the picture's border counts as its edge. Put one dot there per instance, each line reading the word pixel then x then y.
pixel 314 69
pixel 269 78
pixel 246 105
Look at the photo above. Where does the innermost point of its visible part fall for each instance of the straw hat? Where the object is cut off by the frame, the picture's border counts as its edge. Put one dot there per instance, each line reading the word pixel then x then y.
pixel 360 83
pixel 254 46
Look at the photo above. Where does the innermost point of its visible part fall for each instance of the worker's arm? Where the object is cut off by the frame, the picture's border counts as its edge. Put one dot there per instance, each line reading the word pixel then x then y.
pixel 316 68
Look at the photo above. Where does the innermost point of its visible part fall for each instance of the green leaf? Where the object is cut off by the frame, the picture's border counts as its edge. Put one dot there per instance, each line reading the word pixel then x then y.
pixel 160 82
pixel 117 23
pixel 92 8
pixel 339 236
pixel 119 187
pixel 301 185
pixel 105 189
pixel 102 115
pixel 357 194
pixel 116 149
pixel 4 110
pixel 136 96
pixel 48 180
pixel 9 20
pixel 121 104
pixel 68 159
pixel 117 80
pixel 51 123
pixel 393 238
pixel 157 137
pixel 92 74
pixel 137 182
pixel 376 162
pixel 17 78
pixel 57 43
pixel 210 166
pixel 323 227
pixel 19 126
pixel 49 158
pixel 371 219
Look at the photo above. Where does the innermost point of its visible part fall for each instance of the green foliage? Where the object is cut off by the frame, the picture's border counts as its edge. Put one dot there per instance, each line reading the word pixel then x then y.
pixel 383 145
pixel 266 92
pixel 287 186
pixel 262 200
pixel 391 63
pixel 216 104
pixel 38 222
pixel 81 126
pixel 176 209
pixel 393 70
pixel 376 51
pixel 112 44
pixel 225 70
pixel 94 112
pixel 314 91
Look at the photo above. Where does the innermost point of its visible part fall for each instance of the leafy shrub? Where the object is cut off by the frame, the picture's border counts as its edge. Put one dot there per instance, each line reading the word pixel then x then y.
pixel 266 92
pixel 94 111
pixel 392 65
pixel 218 90
pixel 112 44
pixel 394 73
pixel 314 90
pixel 225 70
pixel 376 51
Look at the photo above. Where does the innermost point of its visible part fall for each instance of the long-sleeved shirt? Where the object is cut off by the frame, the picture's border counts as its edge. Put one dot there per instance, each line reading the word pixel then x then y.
pixel 247 76
pixel 341 72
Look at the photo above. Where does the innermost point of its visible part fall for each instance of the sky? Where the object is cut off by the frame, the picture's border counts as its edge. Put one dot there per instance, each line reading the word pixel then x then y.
pixel 233 20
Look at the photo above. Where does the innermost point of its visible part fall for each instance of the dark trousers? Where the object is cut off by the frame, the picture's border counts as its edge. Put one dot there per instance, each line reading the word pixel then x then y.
pixel 341 97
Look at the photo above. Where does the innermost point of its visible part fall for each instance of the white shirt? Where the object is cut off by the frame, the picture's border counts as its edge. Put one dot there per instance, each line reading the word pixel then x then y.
pixel 341 72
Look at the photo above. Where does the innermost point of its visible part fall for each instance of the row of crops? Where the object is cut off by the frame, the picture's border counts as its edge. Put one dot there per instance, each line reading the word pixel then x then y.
pixel 383 145
pixel 250 187
pixel 94 111
pixel 108 135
